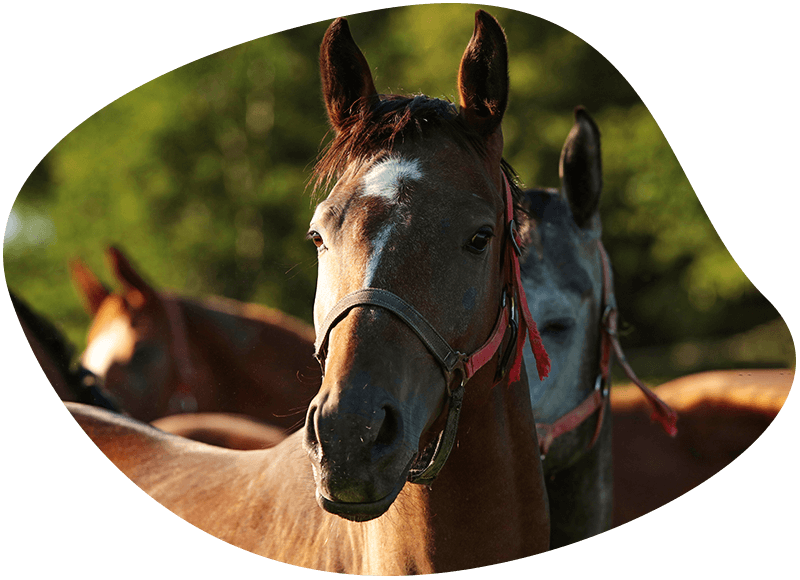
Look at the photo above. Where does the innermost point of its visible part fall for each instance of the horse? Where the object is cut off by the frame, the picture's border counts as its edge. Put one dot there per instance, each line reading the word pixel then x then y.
pixel 721 414
pixel 161 354
pixel 418 265
pixel 568 281
pixel 227 430
pixel 54 354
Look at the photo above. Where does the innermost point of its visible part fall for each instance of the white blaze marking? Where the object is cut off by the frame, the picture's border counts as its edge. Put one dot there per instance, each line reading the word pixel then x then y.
pixel 377 253
pixel 385 178
pixel 385 181
pixel 99 355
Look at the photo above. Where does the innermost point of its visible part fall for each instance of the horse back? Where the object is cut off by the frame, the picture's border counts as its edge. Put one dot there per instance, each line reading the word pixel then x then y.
pixel 720 414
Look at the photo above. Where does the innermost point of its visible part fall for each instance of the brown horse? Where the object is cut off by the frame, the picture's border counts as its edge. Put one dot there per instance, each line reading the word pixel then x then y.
pixel 418 257
pixel 721 414
pixel 222 429
pixel 161 354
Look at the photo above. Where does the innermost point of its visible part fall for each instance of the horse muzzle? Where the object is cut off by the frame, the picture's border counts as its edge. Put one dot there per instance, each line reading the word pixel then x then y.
pixel 358 452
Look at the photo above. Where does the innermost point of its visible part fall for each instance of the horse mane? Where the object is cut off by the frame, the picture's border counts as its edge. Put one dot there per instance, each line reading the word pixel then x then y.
pixel 381 121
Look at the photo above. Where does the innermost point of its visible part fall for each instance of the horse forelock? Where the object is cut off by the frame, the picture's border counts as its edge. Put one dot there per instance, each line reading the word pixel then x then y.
pixel 379 125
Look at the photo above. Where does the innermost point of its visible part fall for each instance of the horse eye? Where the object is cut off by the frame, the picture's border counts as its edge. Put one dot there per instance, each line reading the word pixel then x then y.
pixel 556 327
pixel 480 241
pixel 316 238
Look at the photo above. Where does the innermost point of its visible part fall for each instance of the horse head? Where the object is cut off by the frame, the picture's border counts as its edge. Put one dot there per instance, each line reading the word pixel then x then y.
pixel 562 272
pixel 129 339
pixel 411 243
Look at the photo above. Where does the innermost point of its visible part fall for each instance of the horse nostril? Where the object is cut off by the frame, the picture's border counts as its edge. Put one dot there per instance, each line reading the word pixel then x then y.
pixel 390 430
pixel 310 440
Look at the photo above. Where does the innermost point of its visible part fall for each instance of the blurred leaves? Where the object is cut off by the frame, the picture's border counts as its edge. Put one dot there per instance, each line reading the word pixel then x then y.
pixel 200 175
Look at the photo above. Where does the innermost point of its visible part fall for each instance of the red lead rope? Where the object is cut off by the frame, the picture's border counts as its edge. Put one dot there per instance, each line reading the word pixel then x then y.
pixel 662 413
pixel 527 324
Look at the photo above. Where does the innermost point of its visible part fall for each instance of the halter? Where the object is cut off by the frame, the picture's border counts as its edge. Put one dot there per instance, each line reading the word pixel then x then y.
pixel 609 341
pixel 89 389
pixel 453 362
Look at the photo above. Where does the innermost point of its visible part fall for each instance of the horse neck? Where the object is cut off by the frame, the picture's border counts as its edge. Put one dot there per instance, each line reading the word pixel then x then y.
pixel 488 504
pixel 252 364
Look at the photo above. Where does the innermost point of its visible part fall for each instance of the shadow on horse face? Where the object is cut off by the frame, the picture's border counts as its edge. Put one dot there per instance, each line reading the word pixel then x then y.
pixel 418 216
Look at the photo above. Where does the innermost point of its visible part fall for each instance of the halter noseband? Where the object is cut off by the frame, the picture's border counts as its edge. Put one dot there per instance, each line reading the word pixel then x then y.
pixel 452 361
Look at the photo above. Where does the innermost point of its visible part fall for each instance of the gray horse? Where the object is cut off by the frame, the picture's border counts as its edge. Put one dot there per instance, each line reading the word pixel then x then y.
pixel 562 273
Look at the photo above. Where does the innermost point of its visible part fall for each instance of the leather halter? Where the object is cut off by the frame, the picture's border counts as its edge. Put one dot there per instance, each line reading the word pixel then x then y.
pixel 451 361
pixel 609 341
pixel 89 389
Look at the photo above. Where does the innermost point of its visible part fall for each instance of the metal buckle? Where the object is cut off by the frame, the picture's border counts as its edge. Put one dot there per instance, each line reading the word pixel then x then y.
pixel 601 385
pixel 604 320
pixel 459 367
pixel 512 344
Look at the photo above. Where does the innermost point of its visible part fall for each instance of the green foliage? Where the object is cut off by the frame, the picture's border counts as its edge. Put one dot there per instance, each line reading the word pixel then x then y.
pixel 200 175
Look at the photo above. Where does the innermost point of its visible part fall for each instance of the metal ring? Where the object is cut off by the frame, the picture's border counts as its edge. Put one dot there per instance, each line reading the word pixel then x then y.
pixel 600 385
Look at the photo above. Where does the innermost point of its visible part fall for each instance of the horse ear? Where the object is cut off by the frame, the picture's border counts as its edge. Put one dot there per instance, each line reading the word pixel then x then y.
pixel 483 75
pixel 91 289
pixel 345 73
pixel 580 167
pixel 137 290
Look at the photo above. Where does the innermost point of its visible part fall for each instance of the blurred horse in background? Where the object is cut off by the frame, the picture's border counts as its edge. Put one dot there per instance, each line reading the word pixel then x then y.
pixel 222 429
pixel 55 355
pixel 721 414
pixel 567 278
pixel 73 383
pixel 161 354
